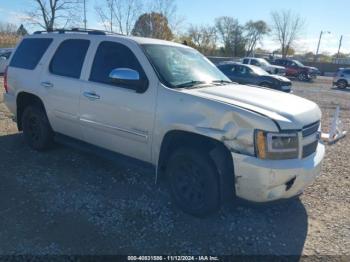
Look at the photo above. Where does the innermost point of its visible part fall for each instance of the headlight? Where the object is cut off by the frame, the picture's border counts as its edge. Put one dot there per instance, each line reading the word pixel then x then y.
pixel 276 146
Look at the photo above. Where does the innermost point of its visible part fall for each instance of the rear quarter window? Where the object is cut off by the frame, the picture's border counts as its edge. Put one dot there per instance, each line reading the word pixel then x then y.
pixel 29 53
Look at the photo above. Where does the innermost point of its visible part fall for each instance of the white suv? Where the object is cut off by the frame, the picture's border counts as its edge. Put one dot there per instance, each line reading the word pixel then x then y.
pixel 264 64
pixel 165 104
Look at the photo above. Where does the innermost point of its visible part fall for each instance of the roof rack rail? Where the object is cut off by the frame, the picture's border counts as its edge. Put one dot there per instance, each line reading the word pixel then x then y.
pixel 73 30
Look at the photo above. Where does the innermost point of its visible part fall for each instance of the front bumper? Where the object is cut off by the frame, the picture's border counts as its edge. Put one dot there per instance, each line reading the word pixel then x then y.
pixel 259 180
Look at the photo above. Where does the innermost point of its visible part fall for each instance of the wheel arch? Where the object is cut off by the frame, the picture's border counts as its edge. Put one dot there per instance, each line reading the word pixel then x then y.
pixel 23 100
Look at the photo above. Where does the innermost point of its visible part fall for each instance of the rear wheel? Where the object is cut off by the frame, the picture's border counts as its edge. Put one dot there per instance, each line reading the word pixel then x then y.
pixel 194 182
pixel 342 84
pixel 36 128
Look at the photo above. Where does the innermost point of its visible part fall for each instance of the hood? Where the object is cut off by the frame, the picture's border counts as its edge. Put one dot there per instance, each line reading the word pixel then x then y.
pixel 311 68
pixel 280 78
pixel 289 111
pixel 277 67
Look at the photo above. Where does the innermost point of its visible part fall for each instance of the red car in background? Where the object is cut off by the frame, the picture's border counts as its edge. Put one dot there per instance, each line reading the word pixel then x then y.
pixel 296 69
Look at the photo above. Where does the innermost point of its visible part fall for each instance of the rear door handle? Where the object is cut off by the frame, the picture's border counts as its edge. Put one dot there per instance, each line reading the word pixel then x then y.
pixel 91 95
pixel 47 84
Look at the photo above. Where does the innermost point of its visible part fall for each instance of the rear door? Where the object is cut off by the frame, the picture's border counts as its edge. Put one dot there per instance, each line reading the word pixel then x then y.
pixel 61 85
pixel 114 116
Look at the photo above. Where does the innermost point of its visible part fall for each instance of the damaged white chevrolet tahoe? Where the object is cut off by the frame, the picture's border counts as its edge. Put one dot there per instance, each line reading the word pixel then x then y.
pixel 167 105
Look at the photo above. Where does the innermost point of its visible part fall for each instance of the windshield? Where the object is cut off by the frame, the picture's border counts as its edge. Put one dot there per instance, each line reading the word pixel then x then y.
pixel 259 71
pixel 298 63
pixel 182 66
pixel 263 62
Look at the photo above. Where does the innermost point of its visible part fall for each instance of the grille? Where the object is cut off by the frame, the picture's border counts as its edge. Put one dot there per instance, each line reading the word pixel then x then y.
pixel 307 131
pixel 311 129
pixel 309 149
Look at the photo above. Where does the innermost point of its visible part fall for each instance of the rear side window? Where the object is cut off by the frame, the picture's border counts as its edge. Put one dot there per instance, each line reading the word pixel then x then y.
pixel 29 52
pixel 69 58
pixel 112 55
pixel 246 61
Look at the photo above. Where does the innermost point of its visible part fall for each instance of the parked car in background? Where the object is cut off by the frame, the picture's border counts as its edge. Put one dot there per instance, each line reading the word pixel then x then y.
pixel 264 64
pixel 4 58
pixel 296 69
pixel 341 78
pixel 253 75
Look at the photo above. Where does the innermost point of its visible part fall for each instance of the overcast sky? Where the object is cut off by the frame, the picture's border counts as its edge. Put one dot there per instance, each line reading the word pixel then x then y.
pixel 318 14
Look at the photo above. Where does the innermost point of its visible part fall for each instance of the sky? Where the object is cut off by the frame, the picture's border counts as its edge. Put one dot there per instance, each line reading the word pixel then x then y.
pixel 319 15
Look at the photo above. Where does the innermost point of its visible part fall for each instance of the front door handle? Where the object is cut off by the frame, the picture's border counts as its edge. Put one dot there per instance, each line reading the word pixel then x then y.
pixel 47 84
pixel 91 95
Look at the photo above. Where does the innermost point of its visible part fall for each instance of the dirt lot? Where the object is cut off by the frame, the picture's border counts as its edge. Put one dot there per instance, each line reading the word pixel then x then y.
pixel 69 202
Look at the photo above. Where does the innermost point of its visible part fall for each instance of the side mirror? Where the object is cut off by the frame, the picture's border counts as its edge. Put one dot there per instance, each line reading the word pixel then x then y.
pixel 128 78
pixel 2 58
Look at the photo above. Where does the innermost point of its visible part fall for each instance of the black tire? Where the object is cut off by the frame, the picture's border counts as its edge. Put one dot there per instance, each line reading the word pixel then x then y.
pixel 303 77
pixel 36 128
pixel 342 84
pixel 194 182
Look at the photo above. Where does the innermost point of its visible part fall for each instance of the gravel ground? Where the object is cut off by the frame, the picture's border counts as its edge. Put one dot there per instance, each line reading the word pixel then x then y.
pixel 70 202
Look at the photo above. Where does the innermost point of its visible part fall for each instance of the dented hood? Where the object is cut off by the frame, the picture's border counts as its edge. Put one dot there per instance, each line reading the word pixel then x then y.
pixel 289 111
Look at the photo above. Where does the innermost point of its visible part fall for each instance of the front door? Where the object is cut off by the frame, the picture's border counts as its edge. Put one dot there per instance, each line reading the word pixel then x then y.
pixel 114 116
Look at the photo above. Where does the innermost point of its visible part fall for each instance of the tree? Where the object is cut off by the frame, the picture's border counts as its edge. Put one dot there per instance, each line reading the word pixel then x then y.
pixel 119 15
pixel 204 38
pixel 50 14
pixel 8 35
pixel 287 28
pixel 22 31
pixel 168 9
pixel 231 35
pixel 255 31
pixel 152 25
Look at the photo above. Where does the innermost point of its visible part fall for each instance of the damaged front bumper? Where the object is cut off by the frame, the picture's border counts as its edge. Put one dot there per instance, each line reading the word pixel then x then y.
pixel 259 180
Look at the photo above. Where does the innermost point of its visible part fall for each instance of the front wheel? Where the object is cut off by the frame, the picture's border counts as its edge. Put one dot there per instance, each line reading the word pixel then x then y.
pixel 36 128
pixel 303 77
pixel 342 84
pixel 194 182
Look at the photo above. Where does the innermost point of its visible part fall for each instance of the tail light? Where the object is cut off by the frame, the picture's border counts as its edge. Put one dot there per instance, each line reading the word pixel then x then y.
pixel 5 80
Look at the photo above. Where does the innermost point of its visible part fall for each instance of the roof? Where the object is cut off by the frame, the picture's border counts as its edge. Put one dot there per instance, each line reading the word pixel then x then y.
pixel 98 33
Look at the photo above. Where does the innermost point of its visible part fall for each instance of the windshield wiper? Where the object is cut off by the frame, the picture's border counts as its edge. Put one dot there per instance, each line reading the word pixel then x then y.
pixel 221 82
pixel 190 84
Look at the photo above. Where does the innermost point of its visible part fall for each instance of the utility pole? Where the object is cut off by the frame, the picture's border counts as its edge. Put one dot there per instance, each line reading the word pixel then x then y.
pixel 340 43
pixel 85 14
pixel 319 43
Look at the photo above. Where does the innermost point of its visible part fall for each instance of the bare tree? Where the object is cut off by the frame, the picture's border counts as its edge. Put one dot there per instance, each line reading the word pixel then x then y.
pixel 168 9
pixel 254 33
pixel 50 14
pixel 119 15
pixel 231 34
pixel 8 35
pixel 287 28
pixel 204 38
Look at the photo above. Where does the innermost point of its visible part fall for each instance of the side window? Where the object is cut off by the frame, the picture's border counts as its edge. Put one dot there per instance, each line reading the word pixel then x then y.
pixel 29 52
pixel 112 55
pixel 255 62
pixel 69 58
pixel 246 61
